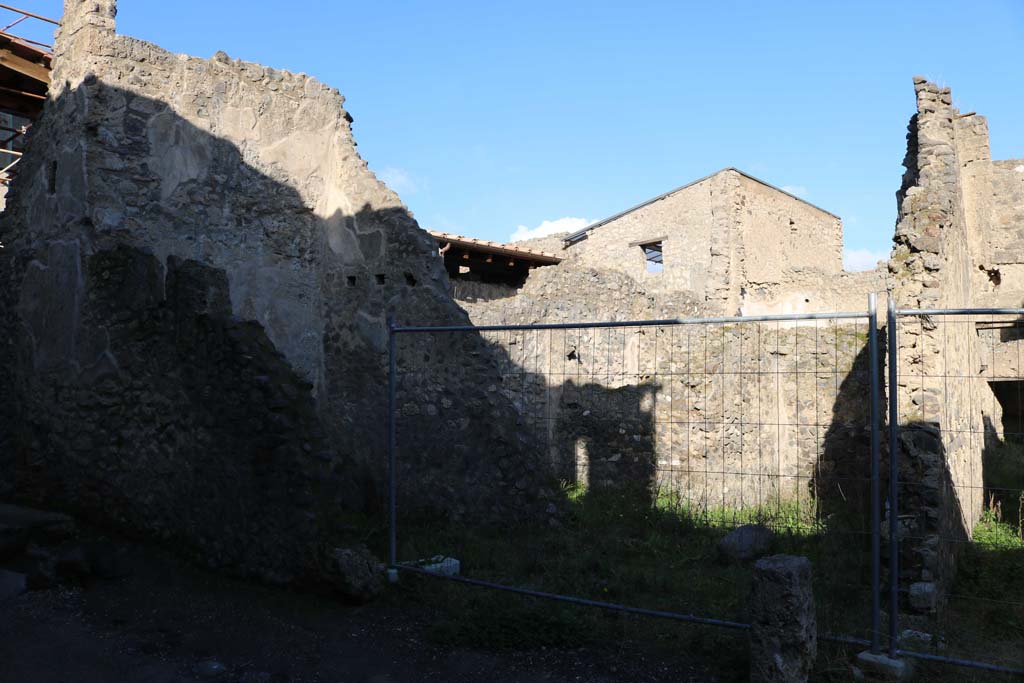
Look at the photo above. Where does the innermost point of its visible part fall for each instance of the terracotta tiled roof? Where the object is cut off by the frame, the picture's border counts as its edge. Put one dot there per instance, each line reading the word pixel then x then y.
pixel 495 247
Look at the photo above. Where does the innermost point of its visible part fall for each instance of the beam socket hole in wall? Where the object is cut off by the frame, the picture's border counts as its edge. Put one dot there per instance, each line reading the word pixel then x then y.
pixel 410 280
pixel 351 280
pixel 994 276
pixel 380 278
pixel 653 256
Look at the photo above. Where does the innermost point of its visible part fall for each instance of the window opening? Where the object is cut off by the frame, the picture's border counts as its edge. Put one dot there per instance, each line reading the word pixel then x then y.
pixel 653 256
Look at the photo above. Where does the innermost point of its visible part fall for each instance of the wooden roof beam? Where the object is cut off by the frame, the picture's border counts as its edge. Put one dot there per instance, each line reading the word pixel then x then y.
pixel 21 106
pixel 24 66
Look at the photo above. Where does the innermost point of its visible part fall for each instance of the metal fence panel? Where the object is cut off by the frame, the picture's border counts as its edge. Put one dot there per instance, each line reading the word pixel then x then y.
pixel 957 429
pixel 634 448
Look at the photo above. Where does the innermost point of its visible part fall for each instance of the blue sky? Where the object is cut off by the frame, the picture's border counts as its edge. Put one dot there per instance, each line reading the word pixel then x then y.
pixel 488 116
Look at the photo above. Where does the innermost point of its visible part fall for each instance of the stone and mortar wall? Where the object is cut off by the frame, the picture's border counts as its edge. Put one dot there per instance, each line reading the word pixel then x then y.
pixel 942 390
pixel 737 244
pixel 784 235
pixel 811 290
pixel 993 201
pixel 734 416
pixel 620 406
pixel 683 221
pixel 552 244
pixel 197 267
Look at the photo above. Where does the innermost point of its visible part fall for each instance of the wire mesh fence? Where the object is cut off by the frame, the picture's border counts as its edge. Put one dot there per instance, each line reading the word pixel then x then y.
pixel 960 433
pixel 608 462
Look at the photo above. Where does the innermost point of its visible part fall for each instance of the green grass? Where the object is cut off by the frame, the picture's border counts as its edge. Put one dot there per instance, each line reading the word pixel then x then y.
pixel 984 615
pixel 661 553
pixel 994 534
pixel 623 547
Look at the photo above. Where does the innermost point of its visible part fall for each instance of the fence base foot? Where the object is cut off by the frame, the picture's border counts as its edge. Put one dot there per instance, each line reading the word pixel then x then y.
pixel 392 575
pixel 872 667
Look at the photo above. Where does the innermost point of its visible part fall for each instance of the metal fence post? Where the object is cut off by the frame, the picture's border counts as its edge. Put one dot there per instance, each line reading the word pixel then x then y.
pixel 392 476
pixel 876 494
pixel 894 451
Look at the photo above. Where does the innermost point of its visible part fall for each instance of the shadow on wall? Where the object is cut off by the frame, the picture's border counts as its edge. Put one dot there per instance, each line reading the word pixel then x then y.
pixel 964 582
pixel 732 439
pixel 605 439
pixel 195 356
pixel 842 477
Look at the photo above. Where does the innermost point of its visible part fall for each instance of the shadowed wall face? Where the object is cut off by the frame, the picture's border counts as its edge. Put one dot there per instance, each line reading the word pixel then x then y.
pixel 197 270
pixel 956 233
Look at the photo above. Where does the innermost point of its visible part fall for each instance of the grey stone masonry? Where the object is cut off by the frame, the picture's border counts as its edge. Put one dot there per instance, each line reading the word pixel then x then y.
pixel 783 629
pixel 943 258
pixel 196 274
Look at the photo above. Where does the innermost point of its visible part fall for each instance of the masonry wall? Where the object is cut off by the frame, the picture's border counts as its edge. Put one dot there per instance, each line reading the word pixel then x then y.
pixel 994 206
pixel 941 390
pixel 197 271
pixel 734 242
pixel 753 416
pixel 785 236
pixel 684 223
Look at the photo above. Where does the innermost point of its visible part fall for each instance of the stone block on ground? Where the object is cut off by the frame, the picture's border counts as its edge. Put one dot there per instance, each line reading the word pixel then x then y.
pixel 106 560
pixel 36 525
pixel 871 667
pixel 12 585
pixel 746 543
pixel 783 628
pixel 357 573
pixel 924 596
pixel 439 564
pixel 12 540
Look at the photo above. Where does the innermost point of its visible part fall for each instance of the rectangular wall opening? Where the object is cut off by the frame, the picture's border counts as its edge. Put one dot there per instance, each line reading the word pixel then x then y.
pixel 653 257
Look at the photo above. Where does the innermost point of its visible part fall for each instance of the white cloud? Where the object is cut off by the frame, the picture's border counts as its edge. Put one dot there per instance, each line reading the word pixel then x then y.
pixel 862 259
pixel 399 180
pixel 566 224
pixel 798 190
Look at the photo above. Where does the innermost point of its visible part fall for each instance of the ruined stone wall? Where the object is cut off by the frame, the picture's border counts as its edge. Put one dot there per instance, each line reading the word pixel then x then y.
pixel 941 390
pixel 811 290
pixel 992 194
pixel 197 270
pixel 556 294
pixel 758 416
pixel 552 244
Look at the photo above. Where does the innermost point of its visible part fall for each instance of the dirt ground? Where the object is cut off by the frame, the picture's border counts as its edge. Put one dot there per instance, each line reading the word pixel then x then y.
pixel 168 622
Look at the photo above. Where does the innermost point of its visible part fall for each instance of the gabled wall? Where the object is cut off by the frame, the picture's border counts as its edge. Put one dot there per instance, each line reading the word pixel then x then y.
pixel 727 239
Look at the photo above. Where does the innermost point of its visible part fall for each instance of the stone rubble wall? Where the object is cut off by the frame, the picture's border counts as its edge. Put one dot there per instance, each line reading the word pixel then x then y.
pixel 942 390
pixel 753 416
pixel 811 290
pixel 197 270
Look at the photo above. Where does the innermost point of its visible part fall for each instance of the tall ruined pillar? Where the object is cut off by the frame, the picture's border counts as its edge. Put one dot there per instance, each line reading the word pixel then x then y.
pixel 939 406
